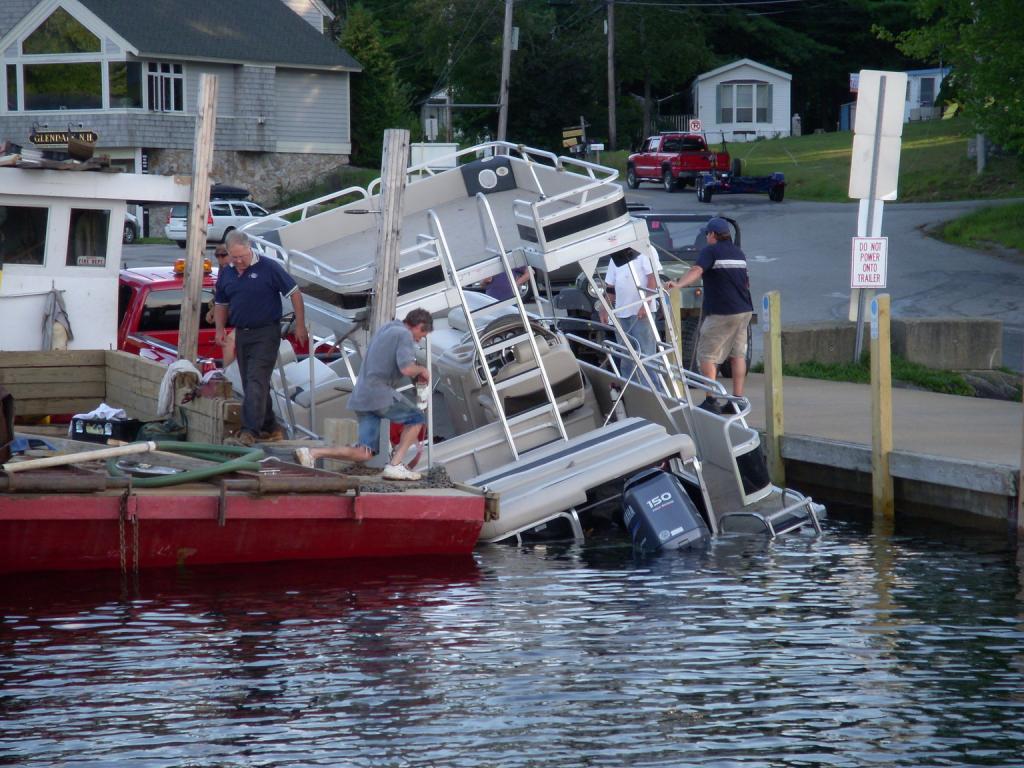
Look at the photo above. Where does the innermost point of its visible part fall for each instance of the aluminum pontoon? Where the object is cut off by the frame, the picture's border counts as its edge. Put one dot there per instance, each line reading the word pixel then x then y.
pixel 524 404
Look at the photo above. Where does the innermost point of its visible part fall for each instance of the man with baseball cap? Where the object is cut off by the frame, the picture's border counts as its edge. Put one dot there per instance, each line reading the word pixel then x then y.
pixel 727 306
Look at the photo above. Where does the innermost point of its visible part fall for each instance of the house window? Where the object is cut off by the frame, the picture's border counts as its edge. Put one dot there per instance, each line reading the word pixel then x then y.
pixel 166 87
pixel 723 104
pixel 87 237
pixel 927 91
pixel 764 103
pixel 22 234
pixel 63 86
pixel 125 84
pixel 12 88
pixel 60 33
pixel 744 102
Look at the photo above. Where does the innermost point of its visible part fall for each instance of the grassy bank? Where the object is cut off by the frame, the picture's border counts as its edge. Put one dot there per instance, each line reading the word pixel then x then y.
pixel 933 165
pixel 947 382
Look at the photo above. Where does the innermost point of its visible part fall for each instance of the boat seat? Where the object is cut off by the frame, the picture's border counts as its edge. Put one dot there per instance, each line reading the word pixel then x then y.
pixel 556 477
pixel 520 391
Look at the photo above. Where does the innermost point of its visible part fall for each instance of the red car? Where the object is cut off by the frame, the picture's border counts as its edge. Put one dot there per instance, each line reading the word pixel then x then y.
pixel 149 311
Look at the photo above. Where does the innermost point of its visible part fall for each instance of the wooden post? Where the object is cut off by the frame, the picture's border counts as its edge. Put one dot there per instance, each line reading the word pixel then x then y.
pixel 392 195
pixel 881 409
pixel 202 157
pixel 774 424
pixel 1020 483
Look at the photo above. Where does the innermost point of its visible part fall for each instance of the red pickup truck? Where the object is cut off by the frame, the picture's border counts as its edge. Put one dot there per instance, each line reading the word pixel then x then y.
pixel 149 310
pixel 674 160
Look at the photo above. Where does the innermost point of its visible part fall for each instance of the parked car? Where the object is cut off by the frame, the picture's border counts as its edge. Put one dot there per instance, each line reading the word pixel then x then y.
pixel 131 228
pixel 222 217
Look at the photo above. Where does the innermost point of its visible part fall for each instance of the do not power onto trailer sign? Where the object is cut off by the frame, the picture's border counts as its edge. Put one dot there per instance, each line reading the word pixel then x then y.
pixel 869 260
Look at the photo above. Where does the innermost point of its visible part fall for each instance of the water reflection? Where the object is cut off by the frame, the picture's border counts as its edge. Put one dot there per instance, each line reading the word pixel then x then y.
pixel 857 648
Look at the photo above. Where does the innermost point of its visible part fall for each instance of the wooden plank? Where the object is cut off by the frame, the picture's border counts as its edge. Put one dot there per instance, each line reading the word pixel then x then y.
pixel 85 373
pixel 53 407
pixel 135 367
pixel 52 359
pixel 35 391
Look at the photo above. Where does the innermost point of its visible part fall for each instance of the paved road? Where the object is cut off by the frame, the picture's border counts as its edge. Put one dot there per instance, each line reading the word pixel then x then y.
pixel 803 251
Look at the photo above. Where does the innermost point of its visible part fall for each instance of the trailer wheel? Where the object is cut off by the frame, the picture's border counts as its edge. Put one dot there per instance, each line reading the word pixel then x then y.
pixel 631 180
pixel 775 194
pixel 704 194
pixel 667 181
pixel 737 167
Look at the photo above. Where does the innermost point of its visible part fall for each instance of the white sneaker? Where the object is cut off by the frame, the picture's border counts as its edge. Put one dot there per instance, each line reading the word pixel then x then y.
pixel 400 472
pixel 305 458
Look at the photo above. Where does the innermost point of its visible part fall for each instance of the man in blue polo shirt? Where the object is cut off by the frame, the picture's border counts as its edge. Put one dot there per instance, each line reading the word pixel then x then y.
pixel 248 297
pixel 727 306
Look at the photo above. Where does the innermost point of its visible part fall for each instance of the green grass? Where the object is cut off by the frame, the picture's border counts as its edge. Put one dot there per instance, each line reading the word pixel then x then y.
pixel 933 165
pixel 347 176
pixel 1000 226
pixel 914 374
pixel 153 241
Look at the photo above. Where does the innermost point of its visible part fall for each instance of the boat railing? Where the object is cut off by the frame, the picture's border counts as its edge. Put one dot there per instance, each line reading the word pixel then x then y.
pixel 303 208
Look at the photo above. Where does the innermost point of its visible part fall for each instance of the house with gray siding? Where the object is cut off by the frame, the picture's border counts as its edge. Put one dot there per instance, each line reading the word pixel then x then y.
pixel 129 71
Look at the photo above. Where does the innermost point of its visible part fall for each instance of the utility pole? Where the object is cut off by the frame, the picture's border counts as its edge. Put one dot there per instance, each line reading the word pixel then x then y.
pixel 506 65
pixel 611 75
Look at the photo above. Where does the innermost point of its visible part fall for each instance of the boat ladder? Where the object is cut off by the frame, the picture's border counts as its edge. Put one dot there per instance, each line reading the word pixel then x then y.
pixel 523 335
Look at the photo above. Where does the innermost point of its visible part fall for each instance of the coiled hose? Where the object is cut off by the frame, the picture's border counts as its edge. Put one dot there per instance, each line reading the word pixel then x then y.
pixel 232 459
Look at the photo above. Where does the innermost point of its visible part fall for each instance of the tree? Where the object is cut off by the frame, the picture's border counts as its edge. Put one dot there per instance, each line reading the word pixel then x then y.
pixel 379 98
pixel 983 43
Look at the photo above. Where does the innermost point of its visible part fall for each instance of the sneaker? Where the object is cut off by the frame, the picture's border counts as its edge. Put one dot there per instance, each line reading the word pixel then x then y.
pixel 400 472
pixel 275 435
pixel 305 458
pixel 711 406
pixel 740 405
pixel 244 439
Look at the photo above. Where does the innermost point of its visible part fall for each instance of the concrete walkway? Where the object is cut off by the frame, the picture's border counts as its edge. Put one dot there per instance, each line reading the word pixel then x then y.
pixel 968 428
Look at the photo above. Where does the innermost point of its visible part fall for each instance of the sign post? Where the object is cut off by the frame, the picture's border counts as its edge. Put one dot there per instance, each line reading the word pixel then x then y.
pixel 874 164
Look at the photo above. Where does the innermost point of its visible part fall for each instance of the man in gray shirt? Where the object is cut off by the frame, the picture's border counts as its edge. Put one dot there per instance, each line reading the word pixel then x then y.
pixel 390 356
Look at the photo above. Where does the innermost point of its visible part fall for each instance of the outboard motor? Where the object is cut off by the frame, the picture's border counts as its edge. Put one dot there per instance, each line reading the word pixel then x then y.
pixel 659 514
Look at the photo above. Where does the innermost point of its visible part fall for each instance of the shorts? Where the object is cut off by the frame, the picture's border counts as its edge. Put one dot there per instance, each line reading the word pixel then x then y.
pixel 723 336
pixel 396 413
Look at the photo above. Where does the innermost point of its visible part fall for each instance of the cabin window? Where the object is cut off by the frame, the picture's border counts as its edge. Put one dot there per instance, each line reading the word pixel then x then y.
pixel 166 87
pixel 22 234
pixel 60 33
pixel 76 85
pixel 12 88
pixel 125 84
pixel 87 237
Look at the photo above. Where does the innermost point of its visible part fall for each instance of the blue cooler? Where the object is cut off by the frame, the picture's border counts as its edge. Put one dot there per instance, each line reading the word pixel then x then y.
pixel 659 514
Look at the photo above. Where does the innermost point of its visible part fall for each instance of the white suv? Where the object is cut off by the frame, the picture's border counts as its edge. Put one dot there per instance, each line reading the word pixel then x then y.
pixel 222 217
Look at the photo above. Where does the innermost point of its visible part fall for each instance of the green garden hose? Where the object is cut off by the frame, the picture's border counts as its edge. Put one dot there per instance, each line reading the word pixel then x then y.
pixel 232 459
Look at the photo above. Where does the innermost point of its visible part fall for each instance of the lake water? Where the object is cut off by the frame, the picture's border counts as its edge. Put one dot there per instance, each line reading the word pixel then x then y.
pixel 855 649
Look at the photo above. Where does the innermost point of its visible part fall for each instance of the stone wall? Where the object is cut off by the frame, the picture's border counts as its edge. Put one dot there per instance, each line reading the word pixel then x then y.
pixel 267 175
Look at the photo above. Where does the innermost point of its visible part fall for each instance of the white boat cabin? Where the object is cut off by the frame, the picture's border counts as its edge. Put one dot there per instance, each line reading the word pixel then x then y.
pixel 61 231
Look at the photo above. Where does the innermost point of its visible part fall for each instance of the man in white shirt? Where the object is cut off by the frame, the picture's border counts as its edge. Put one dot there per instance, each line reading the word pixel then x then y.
pixel 621 291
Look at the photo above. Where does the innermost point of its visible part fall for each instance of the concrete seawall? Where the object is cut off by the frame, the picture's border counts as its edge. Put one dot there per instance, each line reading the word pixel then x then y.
pixel 954 458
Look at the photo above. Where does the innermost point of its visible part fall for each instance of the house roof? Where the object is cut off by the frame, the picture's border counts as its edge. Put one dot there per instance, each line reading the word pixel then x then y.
pixel 744 62
pixel 262 31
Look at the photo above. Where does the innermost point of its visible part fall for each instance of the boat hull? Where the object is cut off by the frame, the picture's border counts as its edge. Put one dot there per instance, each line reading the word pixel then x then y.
pixel 40 532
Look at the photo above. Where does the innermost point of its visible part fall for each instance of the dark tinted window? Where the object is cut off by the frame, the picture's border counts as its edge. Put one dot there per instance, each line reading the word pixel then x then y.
pixel 22 234
pixel 162 311
pixel 179 211
pixel 220 209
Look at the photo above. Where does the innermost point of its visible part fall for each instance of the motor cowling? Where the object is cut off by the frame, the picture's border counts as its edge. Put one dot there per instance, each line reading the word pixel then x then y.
pixel 659 514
